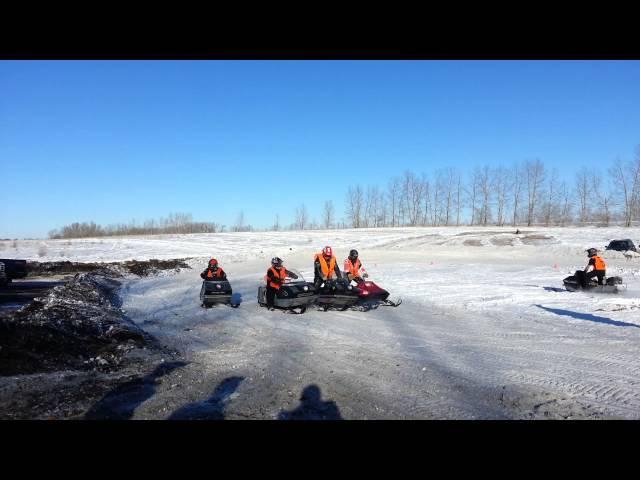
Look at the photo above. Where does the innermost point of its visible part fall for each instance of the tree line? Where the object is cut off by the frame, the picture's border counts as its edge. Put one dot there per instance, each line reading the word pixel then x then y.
pixel 525 193
pixel 174 223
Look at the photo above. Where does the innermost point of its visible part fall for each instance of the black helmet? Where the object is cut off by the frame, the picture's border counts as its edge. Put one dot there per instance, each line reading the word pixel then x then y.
pixel 353 254
pixel 276 261
pixel 592 251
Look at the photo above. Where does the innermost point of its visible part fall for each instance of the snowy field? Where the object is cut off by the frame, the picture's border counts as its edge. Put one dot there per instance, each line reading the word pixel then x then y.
pixel 485 329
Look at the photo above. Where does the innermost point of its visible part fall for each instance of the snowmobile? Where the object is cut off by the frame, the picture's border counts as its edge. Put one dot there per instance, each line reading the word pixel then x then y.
pixel 372 296
pixel 217 291
pixel 337 294
pixel 294 295
pixel 611 284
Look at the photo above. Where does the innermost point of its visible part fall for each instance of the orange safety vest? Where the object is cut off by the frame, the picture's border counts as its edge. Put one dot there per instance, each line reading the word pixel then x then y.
pixel 599 263
pixel 216 273
pixel 281 274
pixel 327 270
pixel 351 268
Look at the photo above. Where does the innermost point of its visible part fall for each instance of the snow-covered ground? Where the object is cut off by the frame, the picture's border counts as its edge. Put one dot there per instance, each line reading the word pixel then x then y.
pixel 485 330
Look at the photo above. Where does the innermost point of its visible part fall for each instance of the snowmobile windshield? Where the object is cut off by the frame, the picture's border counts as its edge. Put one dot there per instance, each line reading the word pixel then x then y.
pixel 294 280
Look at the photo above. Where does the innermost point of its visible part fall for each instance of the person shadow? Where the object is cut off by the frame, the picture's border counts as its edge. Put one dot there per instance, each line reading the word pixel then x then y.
pixel 312 407
pixel 120 403
pixel 213 407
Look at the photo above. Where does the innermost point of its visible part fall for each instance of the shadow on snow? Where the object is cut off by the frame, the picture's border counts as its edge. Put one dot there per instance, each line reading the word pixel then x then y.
pixel 213 407
pixel 312 407
pixel 587 316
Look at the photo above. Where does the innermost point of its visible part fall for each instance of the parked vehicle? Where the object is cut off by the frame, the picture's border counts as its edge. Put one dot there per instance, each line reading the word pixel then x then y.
pixel 611 284
pixel 217 291
pixel 622 245
pixel 295 295
pixel 14 268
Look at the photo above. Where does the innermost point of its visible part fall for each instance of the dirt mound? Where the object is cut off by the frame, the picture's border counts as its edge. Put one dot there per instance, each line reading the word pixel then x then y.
pixel 503 241
pixel 142 268
pixel 78 325
pixel 152 267
pixel 472 242
pixel 487 232
pixel 538 239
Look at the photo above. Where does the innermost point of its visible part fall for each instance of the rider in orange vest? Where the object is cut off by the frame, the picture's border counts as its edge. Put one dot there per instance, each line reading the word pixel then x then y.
pixel 595 268
pixel 325 266
pixel 275 278
pixel 353 266
pixel 213 271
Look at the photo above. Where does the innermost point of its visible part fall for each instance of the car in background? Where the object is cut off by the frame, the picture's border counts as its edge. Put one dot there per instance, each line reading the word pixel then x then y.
pixel 622 245
pixel 3 276
pixel 14 268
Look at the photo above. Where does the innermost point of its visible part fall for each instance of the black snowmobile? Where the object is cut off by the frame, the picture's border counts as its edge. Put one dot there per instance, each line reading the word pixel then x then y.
pixel 217 291
pixel 337 294
pixel 611 284
pixel 294 295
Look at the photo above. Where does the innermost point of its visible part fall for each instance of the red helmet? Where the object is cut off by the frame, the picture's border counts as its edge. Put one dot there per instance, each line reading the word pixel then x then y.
pixel 327 251
pixel 213 262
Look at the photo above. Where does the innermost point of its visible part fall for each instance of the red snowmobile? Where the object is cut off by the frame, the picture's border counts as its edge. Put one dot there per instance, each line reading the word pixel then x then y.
pixel 372 296
pixel 342 295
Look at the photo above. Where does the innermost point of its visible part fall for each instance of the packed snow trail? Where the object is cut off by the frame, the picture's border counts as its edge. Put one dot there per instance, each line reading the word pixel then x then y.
pixel 485 330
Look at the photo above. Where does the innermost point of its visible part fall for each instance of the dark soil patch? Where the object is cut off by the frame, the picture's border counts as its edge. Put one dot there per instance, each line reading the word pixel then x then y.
pixel 78 325
pixel 142 268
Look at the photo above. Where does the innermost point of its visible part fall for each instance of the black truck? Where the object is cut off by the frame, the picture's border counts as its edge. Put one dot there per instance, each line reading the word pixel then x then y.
pixel 13 269
pixel 622 245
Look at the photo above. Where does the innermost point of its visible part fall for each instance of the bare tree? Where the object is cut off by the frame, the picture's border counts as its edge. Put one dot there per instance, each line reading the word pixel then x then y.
pixel 412 189
pixel 239 226
pixel 534 171
pixel 354 205
pixel 565 197
pixel 302 217
pixel 500 185
pixel 626 179
pixel 604 199
pixel 458 199
pixel 327 214
pixel 484 180
pixel 472 194
pixel 381 209
pixel 276 224
pixel 393 200
pixel 448 185
pixel 517 180
pixel 583 188
pixel 428 203
pixel 551 198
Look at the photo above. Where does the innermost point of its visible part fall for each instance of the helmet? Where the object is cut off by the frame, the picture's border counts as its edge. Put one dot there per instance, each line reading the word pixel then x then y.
pixel 353 254
pixel 276 261
pixel 213 263
pixel 591 252
pixel 327 251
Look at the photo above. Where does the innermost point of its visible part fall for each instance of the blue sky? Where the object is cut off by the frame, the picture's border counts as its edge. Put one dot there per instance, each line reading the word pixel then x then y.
pixel 111 141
